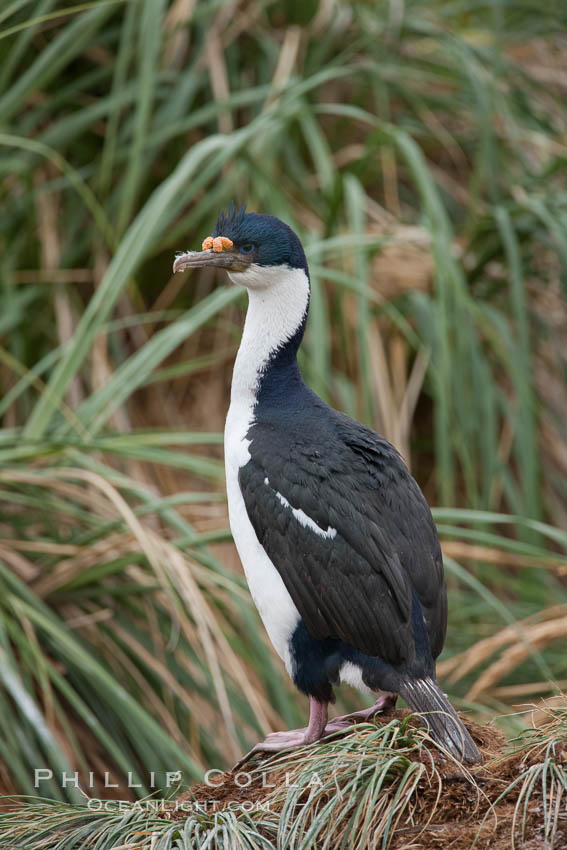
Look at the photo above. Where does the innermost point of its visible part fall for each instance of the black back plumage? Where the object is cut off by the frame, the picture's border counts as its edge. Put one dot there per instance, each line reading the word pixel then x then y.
pixel 377 551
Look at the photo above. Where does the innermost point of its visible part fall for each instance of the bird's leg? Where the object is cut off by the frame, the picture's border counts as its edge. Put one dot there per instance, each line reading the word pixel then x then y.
pixel 385 702
pixel 277 741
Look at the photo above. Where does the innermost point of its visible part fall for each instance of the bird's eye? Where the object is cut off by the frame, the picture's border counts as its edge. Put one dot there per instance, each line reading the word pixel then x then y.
pixel 247 248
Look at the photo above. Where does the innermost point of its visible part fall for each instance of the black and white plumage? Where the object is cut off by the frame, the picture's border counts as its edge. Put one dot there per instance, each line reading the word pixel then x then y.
pixel 337 540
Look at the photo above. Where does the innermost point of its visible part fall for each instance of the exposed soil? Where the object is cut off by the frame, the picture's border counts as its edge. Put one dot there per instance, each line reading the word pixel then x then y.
pixel 447 814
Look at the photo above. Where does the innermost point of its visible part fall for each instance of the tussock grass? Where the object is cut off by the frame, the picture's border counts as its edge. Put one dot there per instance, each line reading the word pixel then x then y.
pixel 384 785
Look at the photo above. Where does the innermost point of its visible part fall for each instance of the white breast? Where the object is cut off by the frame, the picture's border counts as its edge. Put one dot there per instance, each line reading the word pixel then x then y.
pixel 277 303
pixel 274 604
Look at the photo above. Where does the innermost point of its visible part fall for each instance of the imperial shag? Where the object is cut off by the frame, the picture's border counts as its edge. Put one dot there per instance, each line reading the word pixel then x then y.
pixel 337 540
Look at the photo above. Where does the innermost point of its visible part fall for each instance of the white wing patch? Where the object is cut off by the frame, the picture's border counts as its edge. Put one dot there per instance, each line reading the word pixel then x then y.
pixel 303 519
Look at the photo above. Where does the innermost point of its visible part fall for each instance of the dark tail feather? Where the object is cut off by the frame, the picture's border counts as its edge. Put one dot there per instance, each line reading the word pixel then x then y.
pixel 426 697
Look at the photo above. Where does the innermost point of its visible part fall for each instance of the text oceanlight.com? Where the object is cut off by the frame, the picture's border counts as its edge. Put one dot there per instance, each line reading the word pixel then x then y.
pixel 187 806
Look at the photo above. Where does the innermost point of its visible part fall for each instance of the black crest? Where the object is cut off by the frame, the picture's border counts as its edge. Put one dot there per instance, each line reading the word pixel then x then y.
pixel 230 220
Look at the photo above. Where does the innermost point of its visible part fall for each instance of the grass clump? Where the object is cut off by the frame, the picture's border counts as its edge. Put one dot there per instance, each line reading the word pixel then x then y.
pixel 384 785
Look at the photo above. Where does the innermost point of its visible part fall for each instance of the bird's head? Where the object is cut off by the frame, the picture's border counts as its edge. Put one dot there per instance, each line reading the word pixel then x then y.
pixel 254 249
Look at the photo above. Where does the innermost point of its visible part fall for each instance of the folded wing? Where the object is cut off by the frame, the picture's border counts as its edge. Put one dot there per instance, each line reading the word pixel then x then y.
pixel 352 537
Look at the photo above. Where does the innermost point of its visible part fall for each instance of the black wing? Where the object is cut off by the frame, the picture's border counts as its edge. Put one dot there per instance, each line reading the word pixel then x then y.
pixel 374 547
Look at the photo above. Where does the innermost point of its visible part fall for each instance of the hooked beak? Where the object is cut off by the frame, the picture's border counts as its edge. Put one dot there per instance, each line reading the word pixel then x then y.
pixel 228 260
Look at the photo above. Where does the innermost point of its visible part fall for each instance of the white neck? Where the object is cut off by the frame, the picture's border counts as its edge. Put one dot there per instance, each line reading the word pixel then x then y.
pixel 277 301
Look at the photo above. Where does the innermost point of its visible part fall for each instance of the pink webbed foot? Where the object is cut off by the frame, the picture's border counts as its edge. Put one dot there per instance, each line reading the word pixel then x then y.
pixel 384 703
pixel 276 742
pixel 318 728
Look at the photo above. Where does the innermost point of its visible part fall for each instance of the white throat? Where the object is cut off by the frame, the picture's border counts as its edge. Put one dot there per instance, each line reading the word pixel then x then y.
pixel 277 300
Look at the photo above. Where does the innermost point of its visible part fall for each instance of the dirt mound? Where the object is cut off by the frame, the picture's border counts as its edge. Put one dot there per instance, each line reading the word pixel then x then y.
pixel 513 799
